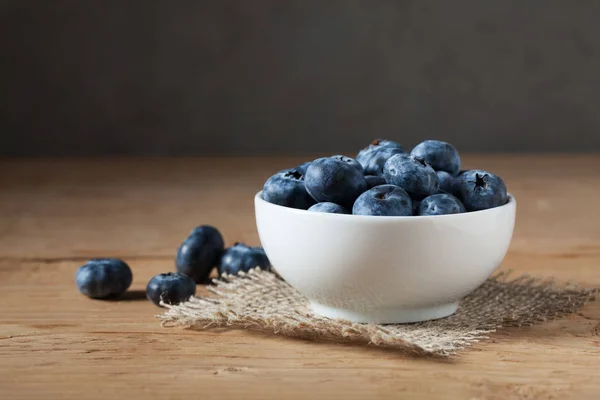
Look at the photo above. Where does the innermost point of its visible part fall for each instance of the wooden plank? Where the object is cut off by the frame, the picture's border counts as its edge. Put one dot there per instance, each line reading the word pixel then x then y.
pixel 54 343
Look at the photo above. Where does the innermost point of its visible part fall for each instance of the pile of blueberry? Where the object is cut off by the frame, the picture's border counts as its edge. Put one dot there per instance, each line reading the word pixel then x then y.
pixel 386 180
pixel 202 251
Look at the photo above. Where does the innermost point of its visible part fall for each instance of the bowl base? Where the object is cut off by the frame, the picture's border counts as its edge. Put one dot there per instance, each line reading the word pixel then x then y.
pixel 386 316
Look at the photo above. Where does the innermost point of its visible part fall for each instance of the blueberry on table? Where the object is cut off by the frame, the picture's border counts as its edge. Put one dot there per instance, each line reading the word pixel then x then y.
pixel 440 204
pixel 240 257
pixel 287 188
pixel 199 253
pixel 103 277
pixel 441 156
pixel 328 208
pixel 350 161
pixel 333 180
pixel 480 190
pixel 170 288
pixel 374 156
pixel 446 182
pixel 384 200
pixel 374 180
pixel 412 174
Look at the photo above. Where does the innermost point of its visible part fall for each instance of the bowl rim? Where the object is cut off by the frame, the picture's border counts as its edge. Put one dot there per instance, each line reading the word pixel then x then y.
pixel 511 203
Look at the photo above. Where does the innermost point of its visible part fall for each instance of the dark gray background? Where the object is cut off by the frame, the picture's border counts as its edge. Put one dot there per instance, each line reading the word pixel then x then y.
pixel 280 77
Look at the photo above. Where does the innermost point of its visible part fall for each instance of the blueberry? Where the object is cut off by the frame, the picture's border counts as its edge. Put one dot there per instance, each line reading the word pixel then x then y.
pixel 415 206
pixel 378 159
pixel 441 156
pixel 412 174
pixel 374 156
pixel 383 200
pixel 439 204
pixel 286 188
pixel 103 277
pixel 171 288
pixel 240 257
pixel 350 161
pixel 374 180
pixel 300 168
pixel 333 180
pixel 199 253
pixel 446 182
pixel 303 167
pixel 328 208
pixel 379 144
pixel 480 190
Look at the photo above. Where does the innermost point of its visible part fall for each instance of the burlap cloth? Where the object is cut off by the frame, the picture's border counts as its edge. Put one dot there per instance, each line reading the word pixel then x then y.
pixel 262 301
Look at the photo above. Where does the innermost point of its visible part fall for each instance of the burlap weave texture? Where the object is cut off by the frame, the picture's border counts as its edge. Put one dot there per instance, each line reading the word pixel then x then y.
pixel 262 301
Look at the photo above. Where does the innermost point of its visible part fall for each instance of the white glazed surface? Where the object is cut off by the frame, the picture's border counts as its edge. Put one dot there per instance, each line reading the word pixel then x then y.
pixel 384 269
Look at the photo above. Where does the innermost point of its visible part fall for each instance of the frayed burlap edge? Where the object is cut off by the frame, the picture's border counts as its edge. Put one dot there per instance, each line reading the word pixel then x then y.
pixel 260 300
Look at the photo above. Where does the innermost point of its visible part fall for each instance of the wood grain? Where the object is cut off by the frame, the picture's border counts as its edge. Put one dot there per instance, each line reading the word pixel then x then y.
pixel 55 343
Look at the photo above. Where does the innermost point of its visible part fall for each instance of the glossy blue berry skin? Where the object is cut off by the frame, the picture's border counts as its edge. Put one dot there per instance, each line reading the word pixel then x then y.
pixel 287 188
pixel 442 156
pixel 383 200
pixel 303 167
pixel 350 161
pixel 299 168
pixel 376 145
pixel 103 277
pixel 334 180
pixel 329 208
pixel 240 257
pixel 378 159
pixel 170 288
pixel 200 253
pixel 440 204
pixel 480 190
pixel 446 182
pixel 374 180
pixel 385 143
pixel 374 156
pixel 412 174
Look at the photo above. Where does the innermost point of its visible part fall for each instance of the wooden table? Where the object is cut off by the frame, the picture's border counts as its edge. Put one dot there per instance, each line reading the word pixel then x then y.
pixel 55 343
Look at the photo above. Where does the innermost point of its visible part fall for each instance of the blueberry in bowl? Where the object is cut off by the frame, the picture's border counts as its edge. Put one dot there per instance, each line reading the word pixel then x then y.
pixel 440 204
pixel 328 207
pixel 481 190
pixel 374 180
pixel 350 161
pixel 302 167
pixel 411 173
pixel 446 182
pixel 385 200
pixel 335 180
pixel 408 247
pixel 374 156
pixel 442 156
pixel 287 188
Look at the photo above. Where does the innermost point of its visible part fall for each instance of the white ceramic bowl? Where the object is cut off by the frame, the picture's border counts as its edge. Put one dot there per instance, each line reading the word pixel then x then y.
pixel 384 269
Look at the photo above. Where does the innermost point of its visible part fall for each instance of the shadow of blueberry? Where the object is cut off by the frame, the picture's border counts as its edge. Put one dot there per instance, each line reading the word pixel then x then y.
pixel 130 295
